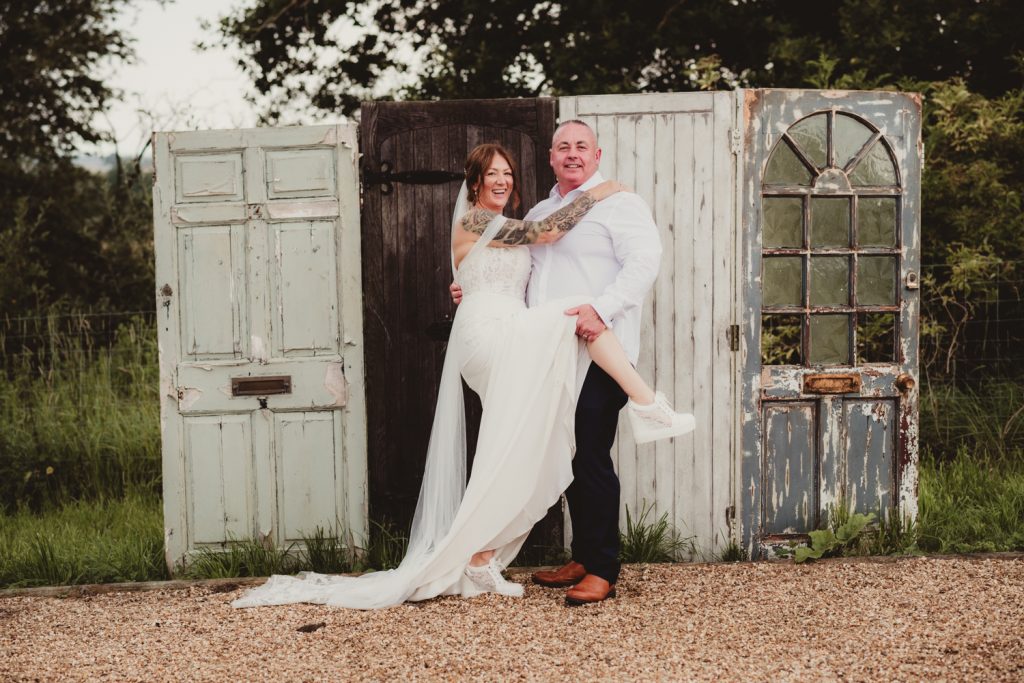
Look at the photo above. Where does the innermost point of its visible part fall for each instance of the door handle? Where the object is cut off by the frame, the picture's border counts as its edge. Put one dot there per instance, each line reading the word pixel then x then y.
pixel 905 383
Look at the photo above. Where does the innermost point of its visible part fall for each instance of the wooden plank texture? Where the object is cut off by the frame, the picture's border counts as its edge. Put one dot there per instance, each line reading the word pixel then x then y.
pixel 407 269
pixel 675 153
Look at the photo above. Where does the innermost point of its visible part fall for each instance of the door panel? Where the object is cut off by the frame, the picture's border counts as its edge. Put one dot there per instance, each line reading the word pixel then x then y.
pixel 212 259
pixel 870 431
pixel 832 229
pixel 414 155
pixel 208 177
pixel 260 333
pixel 303 289
pixel 790 447
pixel 307 470
pixel 219 460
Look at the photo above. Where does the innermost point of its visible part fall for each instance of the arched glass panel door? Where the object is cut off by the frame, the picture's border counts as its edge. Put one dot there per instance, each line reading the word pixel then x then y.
pixel 833 253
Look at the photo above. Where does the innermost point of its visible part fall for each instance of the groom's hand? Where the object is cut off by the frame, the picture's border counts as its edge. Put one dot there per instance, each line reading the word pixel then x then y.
pixel 456 293
pixel 588 322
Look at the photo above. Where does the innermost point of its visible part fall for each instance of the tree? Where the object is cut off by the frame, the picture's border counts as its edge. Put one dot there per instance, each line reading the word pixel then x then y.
pixel 50 53
pixel 480 48
pixel 66 235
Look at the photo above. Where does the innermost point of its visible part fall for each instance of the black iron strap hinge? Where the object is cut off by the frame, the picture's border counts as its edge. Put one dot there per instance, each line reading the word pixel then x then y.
pixel 733 334
pixel 387 176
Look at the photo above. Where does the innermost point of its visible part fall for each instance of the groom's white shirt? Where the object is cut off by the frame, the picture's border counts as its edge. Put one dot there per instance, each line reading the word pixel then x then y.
pixel 613 255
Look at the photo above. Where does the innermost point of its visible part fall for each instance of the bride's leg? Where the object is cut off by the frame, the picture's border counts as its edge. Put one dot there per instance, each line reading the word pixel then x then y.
pixel 481 558
pixel 607 352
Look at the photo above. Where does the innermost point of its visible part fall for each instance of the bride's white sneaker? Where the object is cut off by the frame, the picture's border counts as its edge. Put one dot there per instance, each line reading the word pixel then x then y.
pixel 488 578
pixel 658 420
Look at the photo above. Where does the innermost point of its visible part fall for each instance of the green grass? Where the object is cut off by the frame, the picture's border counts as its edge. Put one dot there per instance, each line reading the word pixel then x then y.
pixel 99 541
pixel 971 503
pixel 80 475
pixel 78 422
pixel 657 541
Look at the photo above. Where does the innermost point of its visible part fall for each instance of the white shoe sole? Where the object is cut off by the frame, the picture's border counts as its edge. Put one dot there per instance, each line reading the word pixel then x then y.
pixel 687 426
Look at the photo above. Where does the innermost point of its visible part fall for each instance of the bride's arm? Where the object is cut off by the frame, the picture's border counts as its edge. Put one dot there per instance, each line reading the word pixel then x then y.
pixel 517 232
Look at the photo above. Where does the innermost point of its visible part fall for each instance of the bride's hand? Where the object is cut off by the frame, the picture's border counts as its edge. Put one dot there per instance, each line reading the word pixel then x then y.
pixel 607 189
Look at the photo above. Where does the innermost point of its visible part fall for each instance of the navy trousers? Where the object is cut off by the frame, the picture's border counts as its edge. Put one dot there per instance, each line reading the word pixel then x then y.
pixel 593 496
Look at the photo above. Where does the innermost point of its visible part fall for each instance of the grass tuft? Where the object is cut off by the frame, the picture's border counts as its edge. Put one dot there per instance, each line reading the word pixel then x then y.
pixel 655 542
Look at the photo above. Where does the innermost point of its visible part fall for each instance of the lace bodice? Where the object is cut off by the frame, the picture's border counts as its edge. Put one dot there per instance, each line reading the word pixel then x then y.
pixel 496 270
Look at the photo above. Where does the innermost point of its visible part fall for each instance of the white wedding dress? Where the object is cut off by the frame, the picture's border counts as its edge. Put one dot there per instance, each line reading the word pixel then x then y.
pixel 527 365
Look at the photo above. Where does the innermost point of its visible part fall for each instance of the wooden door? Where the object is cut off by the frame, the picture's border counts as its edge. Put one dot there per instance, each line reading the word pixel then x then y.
pixel 260 332
pixel 832 252
pixel 676 151
pixel 413 159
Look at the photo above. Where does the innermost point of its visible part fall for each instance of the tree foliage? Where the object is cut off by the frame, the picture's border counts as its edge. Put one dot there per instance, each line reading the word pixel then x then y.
pixel 67 236
pixel 480 48
pixel 50 55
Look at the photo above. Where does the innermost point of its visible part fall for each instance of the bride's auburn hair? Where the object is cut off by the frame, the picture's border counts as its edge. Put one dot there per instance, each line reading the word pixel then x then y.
pixel 477 163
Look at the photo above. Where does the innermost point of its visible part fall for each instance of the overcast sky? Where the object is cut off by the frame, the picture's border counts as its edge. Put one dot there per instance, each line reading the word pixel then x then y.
pixel 177 86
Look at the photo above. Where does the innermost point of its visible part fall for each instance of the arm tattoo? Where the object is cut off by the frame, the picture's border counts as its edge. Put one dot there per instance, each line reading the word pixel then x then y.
pixel 516 232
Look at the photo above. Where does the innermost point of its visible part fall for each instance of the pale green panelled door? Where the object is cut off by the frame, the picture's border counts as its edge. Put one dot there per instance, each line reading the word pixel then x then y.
pixel 832 305
pixel 260 331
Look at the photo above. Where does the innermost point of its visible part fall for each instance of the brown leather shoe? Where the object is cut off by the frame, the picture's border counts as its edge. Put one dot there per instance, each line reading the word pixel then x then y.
pixel 591 589
pixel 569 575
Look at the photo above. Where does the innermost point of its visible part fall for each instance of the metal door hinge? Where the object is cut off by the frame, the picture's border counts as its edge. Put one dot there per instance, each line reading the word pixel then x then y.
pixel 733 334
pixel 735 140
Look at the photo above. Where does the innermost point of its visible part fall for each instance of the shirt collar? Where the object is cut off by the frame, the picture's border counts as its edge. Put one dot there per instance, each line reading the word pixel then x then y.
pixel 592 181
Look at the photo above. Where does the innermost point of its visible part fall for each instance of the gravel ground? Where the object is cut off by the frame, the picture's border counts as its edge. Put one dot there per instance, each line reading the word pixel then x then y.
pixel 912 619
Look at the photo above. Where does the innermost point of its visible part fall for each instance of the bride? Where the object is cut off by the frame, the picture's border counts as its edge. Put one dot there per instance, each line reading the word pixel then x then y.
pixel 528 366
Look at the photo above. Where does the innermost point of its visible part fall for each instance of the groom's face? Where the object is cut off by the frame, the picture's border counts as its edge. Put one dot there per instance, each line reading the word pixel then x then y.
pixel 574 155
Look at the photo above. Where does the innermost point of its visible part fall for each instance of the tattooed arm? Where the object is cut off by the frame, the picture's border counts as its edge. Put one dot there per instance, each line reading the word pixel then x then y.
pixel 516 232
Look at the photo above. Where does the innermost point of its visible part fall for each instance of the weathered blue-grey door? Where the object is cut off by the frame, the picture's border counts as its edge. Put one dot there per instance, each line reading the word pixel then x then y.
pixel 831 257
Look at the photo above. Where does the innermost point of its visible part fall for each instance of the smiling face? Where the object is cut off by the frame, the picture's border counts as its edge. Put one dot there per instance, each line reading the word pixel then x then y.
pixel 574 156
pixel 495 188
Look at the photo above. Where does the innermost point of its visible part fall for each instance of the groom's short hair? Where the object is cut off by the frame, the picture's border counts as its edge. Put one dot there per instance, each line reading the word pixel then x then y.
pixel 571 122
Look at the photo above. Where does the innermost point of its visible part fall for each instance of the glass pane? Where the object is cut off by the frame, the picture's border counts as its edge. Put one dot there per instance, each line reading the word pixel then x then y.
pixel 876 338
pixel 876 280
pixel 780 339
pixel 784 168
pixel 811 136
pixel 850 136
pixel 830 281
pixel 876 221
pixel 830 221
pixel 783 281
pixel 876 168
pixel 783 222
pixel 830 339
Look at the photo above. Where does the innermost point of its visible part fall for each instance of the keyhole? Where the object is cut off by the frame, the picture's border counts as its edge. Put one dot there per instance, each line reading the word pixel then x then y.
pixel 263 403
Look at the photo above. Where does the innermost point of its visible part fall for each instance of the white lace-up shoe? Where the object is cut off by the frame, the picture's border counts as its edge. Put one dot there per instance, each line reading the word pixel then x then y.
pixel 488 578
pixel 658 420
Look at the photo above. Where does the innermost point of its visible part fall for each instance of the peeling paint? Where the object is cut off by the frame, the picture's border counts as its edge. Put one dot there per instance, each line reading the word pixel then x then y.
pixel 335 383
pixel 187 397
pixel 259 349
pixel 330 136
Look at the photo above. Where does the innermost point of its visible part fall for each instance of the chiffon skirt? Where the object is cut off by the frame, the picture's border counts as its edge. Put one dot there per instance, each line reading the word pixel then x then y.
pixel 528 366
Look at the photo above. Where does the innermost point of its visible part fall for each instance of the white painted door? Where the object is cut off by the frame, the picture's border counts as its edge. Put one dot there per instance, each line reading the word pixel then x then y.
pixel 676 151
pixel 260 329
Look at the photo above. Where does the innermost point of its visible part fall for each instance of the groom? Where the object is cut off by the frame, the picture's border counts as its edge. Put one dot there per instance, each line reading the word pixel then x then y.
pixel 613 255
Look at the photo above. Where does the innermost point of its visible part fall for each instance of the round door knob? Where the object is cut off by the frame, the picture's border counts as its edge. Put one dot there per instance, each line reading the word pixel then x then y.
pixel 905 382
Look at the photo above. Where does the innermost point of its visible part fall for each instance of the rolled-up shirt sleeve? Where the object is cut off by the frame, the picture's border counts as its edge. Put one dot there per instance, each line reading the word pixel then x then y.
pixel 637 246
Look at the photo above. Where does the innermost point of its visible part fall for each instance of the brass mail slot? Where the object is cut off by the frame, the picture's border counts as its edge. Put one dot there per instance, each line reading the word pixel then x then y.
pixel 261 386
pixel 831 384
